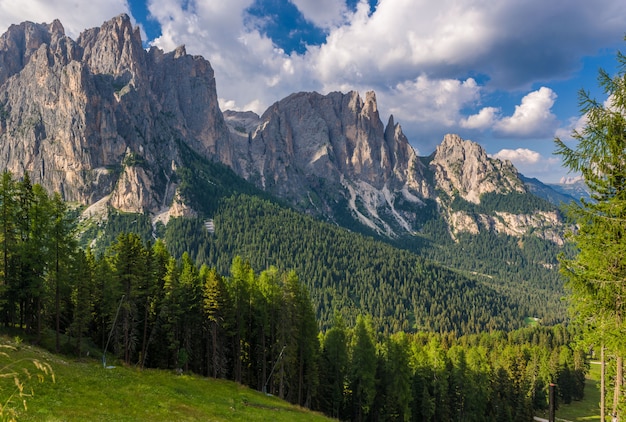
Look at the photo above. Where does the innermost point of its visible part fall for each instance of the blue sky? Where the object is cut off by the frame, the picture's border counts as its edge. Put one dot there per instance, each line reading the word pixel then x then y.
pixel 504 74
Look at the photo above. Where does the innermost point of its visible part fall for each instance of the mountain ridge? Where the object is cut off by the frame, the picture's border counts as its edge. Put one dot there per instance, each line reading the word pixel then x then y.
pixel 101 120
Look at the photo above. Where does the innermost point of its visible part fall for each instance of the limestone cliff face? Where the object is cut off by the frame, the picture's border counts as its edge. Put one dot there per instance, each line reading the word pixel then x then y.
pixel 104 122
pixel 545 225
pixel 101 116
pixel 319 149
pixel 322 150
pixel 463 168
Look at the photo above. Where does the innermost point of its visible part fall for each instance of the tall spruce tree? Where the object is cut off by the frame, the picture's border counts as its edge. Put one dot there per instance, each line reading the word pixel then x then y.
pixel 62 246
pixel 190 319
pixel 597 274
pixel 217 309
pixel 129 258
pixel 82 295
pixel 362 369
pixel 38 250
pixel 333 369
pixel 240 284
pixel 8 241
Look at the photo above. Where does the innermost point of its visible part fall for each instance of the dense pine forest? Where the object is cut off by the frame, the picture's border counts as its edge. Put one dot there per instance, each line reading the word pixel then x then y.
pixel 352 273
pixel 146 305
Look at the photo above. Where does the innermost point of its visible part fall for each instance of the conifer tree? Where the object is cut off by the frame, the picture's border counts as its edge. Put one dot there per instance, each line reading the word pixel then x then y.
pixel 62 246
pixel 596 275
pixel 82 294
pixel 219 320
pixel 333 369
pixel 159 259
pixel 24 259
pixel 171 310
pixel 269 299
pixel 241 280
pixel 8 241
pixel 129 263
pixel 306 342
pixel 362 372
pixel 190 317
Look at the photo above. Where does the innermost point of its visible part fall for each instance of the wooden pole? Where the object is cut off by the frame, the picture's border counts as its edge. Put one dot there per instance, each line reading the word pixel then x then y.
pixel 602 385
pixel 552 407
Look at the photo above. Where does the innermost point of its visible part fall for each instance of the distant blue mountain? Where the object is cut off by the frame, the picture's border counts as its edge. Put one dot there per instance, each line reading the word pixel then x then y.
pixel 557 193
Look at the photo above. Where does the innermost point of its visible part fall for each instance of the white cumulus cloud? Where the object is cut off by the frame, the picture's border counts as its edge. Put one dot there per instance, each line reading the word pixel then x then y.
pixel 484 119
pixel 529 162
pixel 519 155
pixel 532 118
pixel 250 69
pixel 430 101
pixel 74 15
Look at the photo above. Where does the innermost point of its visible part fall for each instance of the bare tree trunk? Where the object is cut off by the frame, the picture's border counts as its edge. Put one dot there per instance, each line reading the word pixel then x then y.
pixel 144 358
pixel 281 385
pixel 57 309
pixel 79 343
pixel 264 363
pixel 602 384
pixel 619 376
pixel 300 377
pixel 238 359
pixel 144 342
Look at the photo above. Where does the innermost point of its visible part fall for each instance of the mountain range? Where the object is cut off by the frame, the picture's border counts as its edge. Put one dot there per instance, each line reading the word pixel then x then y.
pixel 110 125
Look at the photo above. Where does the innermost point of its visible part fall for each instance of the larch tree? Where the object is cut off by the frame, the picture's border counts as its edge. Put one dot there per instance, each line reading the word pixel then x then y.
pixel 128 258
pixel 217 309
pixel 362 369
pixel 8 240
pixel 82 295
pixel 62 246
pixel 241 280
pixel 333 369
pixel 38 249
pixel 596 275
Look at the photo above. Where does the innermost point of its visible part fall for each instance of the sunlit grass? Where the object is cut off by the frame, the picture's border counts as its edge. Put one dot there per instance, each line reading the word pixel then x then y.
pixel 588 409
pixel 84 390
pixel 531 321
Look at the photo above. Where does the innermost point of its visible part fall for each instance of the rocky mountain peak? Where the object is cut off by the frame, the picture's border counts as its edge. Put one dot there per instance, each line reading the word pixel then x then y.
pixel 319 149
pixel 20 42
pixel 463 167
pixel 370 106
pixel 115 48
pixel 100 117
pixel 101 120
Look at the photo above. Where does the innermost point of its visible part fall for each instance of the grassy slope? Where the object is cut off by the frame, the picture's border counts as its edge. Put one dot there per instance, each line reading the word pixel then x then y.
pixel 86 391
pixel 588 409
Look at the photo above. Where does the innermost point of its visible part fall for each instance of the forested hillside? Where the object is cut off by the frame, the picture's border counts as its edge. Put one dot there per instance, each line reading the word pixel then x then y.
pixel 352 273
pixel 484 281
pixel 143 306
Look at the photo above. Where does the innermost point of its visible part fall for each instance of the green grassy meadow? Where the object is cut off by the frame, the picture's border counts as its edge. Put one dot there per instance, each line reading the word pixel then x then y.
pixel 84 390
pixel 588 409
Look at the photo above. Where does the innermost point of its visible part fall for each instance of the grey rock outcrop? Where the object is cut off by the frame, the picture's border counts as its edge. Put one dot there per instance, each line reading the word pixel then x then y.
pixel 107 123
pixel 319 149
pixel 463 168
pixel 101 116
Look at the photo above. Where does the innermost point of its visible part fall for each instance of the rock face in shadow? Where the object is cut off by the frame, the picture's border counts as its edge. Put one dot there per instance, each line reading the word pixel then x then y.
pixel 102 116
pixel 317 150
